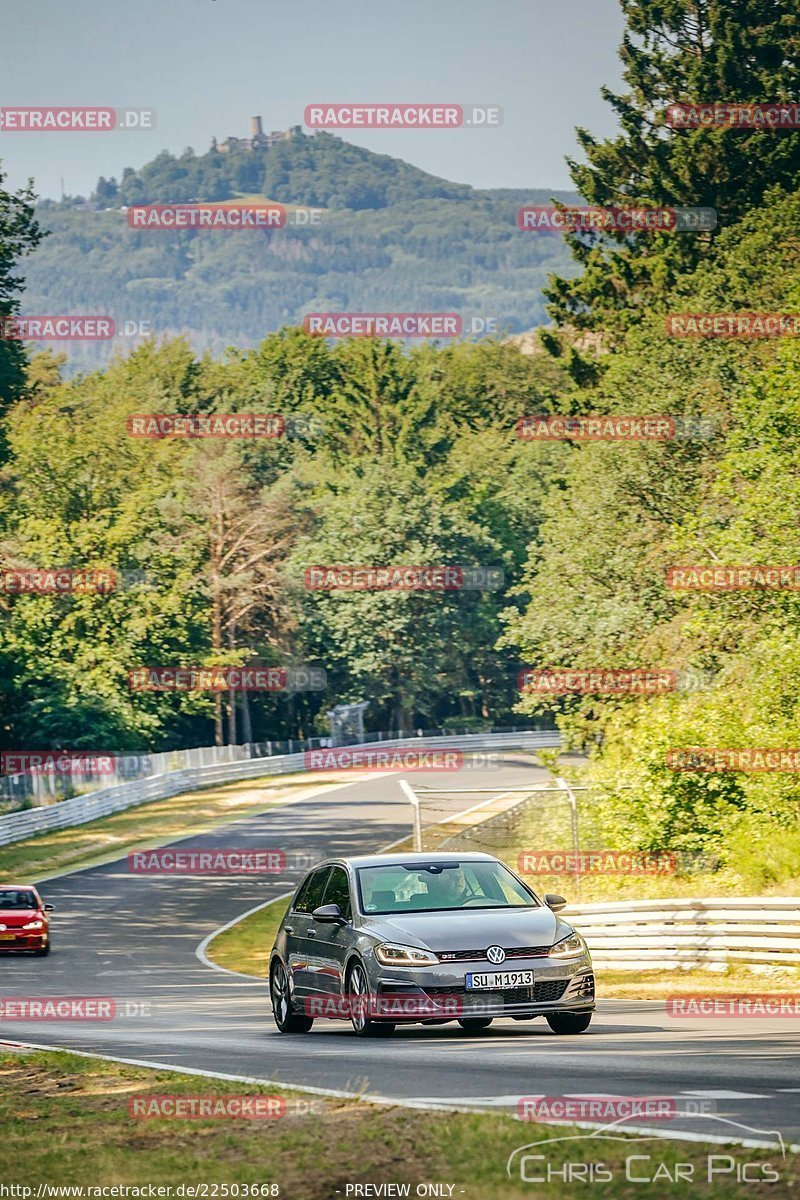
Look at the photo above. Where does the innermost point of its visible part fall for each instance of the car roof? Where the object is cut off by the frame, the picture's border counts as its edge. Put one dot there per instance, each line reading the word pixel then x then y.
pixel 398 858
pixel 18 887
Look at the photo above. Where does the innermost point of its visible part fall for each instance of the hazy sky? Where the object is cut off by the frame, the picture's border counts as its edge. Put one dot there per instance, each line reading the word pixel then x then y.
pixel 206 66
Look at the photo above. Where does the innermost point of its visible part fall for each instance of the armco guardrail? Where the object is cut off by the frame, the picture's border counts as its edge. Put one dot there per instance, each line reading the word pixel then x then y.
pixel 664 934
pixel 49 786
pixel 16 826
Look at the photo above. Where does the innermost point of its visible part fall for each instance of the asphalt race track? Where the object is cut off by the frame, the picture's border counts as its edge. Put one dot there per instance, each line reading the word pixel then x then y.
pixel 134 938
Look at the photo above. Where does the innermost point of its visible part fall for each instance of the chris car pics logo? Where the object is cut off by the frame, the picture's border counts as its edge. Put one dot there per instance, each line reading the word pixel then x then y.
pixel 623 1153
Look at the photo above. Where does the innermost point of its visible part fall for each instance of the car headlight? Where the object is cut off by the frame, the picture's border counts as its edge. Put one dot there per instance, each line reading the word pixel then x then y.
pixel 392 955
pixel 34 925
pixel 568 947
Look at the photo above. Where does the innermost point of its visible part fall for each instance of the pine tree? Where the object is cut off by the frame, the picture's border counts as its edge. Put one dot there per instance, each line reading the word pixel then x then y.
pixel 19 235
pixel 680 52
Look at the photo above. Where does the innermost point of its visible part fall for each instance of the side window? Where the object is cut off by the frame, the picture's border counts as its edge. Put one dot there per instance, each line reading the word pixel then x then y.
pixel 310 895
pixel 338 891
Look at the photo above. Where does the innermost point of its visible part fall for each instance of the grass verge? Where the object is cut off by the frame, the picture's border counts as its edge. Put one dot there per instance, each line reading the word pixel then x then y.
pixel 66 1120
pixel 657 985
pixel 245 946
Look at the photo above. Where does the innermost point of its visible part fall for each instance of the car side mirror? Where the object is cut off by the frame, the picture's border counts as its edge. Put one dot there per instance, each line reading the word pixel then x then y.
pixel 328 914
pixel 49 907
pixel 555 902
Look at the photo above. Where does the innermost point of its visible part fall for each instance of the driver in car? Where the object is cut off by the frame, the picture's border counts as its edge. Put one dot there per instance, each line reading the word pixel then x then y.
pixel 450 889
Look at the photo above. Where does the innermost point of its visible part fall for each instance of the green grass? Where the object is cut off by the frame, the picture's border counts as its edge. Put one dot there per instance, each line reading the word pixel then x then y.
pixel 656 985
pixel 64 1120
pixel 153 824
pixel 246 946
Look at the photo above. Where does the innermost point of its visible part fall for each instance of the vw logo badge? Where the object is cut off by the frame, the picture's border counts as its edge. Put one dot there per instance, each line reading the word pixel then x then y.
pixel 496 954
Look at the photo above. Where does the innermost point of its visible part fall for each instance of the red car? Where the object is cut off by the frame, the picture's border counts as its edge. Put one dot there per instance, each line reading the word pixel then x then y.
pixel 24 923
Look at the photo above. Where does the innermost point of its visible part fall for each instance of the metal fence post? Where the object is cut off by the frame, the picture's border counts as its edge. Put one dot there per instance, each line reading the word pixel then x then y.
pixel 416 816
pixel 573 802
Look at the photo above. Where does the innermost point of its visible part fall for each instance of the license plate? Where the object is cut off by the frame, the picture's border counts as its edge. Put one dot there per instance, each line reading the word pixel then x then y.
pixel 7 937
pixel 499 979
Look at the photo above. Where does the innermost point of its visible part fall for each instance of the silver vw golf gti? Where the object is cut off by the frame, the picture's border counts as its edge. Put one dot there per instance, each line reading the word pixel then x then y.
pixel 384 940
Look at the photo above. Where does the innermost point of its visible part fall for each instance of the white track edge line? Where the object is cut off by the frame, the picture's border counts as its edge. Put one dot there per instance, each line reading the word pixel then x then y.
pixel 386 1101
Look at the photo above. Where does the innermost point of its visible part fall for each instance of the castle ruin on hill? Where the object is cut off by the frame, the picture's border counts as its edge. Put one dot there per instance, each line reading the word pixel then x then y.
pixel 258 140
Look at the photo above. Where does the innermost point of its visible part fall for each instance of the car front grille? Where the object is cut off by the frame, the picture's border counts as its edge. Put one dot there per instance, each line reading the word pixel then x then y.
pixel 480 955
pixel 543 992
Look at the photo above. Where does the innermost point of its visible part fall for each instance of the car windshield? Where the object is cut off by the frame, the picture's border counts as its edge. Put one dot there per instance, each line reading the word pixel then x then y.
pixel 10 898
pixel 437 886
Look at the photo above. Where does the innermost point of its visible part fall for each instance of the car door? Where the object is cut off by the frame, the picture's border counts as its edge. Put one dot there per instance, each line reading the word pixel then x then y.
pixel 333 941
pixel 301 932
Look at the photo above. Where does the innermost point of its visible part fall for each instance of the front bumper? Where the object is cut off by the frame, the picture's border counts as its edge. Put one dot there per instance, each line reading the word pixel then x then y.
pixel 559 986
pixel 23 940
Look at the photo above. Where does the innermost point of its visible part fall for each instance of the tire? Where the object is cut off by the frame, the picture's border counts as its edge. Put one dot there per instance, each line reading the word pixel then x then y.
pixel 363 1026
pixel 475 1024
pixel 44 951
pixel 286 1020
pixel 567 1022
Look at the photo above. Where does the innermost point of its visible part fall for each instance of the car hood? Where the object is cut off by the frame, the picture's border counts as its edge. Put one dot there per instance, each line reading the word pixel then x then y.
pixel 14 917
pixel 471 929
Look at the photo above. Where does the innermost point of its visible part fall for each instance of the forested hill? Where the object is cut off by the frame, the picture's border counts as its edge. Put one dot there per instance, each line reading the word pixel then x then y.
pixel 320 170
pixel 390 237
